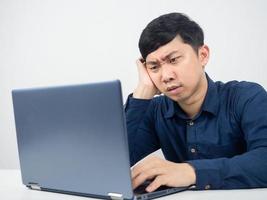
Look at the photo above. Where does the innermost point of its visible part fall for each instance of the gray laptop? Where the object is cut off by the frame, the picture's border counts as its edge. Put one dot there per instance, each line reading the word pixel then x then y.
pixel 73 140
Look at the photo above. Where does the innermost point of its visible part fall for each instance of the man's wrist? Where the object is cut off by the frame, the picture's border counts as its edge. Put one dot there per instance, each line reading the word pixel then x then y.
pixel 192 173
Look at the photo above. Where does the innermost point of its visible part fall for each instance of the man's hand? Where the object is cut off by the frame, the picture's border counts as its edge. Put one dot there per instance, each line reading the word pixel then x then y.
pixel 145 88
pixel 163 172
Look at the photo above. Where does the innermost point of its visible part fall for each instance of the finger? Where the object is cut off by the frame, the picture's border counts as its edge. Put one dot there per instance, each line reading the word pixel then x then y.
pixel 137 170
pixel 147 175
pixel 140 65
pixel 139 167
pixel 139 180
pixel 142 60
pixel 159 181
pixel 158 92
pixel 144 165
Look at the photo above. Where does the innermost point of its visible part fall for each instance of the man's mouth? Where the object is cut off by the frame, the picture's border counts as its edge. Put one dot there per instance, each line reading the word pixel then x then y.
pixel 172 88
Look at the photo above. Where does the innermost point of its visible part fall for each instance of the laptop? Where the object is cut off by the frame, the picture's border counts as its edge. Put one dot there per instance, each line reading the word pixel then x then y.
pixel 73 140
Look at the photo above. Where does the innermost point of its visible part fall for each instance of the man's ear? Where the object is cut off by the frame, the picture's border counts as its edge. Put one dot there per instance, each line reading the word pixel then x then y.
pixel 203 55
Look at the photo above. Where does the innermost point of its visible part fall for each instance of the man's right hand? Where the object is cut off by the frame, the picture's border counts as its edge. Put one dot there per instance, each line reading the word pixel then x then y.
pixel 145 88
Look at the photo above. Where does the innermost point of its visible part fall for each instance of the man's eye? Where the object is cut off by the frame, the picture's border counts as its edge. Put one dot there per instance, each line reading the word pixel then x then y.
pixel 153 67
pixel 174 60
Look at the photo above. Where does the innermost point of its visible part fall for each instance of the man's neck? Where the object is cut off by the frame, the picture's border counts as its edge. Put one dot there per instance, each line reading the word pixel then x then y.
pixel 193 104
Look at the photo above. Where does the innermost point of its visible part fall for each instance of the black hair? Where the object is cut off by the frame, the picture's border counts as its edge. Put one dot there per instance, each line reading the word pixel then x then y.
pixel 165 28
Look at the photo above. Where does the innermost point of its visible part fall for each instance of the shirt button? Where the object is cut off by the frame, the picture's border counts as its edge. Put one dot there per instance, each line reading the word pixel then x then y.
pixel 207 187
pixel 191 123
pixel 193 150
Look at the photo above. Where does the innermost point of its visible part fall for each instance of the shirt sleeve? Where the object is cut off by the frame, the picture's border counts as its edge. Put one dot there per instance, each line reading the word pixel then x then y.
pixel 142 138
pixel 247 170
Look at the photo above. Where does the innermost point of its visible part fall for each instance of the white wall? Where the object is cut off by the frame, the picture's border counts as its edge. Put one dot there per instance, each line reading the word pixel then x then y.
pixel 56 42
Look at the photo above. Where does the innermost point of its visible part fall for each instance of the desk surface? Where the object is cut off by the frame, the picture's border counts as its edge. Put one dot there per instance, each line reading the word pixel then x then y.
pixel 11 188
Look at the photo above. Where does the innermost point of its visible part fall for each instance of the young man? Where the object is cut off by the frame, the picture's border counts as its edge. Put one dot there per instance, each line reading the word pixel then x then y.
pixel 212 134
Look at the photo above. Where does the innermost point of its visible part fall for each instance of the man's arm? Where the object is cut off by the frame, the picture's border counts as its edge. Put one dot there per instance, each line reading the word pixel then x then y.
pixel 139 111
pixel 248 170
pixel 142 138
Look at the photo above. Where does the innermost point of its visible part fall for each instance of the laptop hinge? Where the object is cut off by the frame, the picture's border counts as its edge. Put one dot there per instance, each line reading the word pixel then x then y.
pixel 115 196
pixel 34 186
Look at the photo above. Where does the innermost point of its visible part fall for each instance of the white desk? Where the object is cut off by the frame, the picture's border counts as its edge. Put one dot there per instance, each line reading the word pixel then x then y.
pixel 11 188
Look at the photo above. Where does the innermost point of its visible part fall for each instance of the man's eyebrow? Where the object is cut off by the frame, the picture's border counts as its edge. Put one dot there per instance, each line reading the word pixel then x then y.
pixel 151 62
pixel 169 54
pixel 162 58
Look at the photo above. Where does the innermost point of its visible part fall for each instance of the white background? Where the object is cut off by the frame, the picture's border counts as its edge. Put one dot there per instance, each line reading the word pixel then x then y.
pixel 57 42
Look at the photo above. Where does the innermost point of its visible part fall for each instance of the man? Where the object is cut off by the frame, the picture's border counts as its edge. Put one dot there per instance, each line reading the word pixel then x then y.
pixel 212 134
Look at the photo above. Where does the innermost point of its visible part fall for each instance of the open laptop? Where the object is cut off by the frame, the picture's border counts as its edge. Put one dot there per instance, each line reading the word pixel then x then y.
pixel 73 139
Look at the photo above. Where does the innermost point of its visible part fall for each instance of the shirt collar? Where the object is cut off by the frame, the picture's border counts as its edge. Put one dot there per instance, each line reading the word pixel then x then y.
pixel 210 104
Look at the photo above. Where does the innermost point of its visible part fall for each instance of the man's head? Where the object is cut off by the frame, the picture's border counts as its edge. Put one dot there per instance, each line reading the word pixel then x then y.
pixel 165 28
pixel 175 56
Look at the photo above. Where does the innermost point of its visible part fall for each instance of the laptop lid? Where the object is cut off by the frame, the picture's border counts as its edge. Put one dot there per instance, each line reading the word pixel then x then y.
pixel 72 139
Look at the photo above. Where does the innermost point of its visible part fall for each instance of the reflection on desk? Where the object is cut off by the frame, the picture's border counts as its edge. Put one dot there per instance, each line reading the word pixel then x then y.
pixel 11 188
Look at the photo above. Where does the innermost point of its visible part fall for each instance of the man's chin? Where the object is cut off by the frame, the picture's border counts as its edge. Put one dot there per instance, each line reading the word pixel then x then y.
pixel 177 98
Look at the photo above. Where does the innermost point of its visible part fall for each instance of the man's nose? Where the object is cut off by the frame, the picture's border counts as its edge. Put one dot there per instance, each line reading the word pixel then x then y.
pixel 167 74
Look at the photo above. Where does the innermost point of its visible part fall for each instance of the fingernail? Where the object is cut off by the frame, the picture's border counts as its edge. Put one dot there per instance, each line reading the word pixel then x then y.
pixel 148 189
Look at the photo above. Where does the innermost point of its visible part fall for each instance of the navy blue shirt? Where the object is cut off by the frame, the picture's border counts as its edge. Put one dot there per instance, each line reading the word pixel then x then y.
pixel 226 142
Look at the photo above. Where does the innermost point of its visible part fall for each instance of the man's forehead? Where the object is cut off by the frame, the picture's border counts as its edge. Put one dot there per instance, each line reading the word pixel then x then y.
pixel 174 46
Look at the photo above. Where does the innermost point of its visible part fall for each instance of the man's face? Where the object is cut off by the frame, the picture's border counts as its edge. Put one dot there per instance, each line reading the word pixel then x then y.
pixel 177 70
